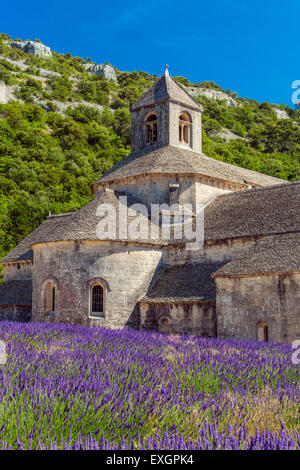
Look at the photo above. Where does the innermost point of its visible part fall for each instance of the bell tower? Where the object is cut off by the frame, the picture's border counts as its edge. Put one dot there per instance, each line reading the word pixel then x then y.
pixel 166 115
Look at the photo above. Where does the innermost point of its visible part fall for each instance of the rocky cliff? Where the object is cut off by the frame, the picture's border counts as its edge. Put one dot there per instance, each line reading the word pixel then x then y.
pixel 103 69
pixel 213 94
pixel 32 47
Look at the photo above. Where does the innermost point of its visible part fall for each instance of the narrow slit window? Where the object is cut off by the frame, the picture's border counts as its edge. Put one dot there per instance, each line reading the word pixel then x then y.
pixel 53 298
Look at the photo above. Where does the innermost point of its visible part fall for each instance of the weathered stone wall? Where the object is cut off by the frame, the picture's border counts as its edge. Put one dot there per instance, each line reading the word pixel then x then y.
pixel 138 132
pixel 167 127
pixel 15 296
pixel 20 313
pixel 124 270
pixel 184 318
pixel 206 192
pixel 196 135
pixel 225 251
pixel 149 190
pixel 18 271
pixel 156 189
pixel 243 302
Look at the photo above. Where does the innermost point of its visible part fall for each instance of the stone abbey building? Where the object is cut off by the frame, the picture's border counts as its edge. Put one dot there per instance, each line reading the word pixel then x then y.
pixel 243 283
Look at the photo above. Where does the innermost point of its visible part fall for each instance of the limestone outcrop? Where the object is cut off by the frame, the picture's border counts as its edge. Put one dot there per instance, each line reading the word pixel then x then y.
pixel 102 69
pixel 6 93
pixel 226 135
pixel 213 94
pixel 16 63
pixel 281 114
pixel 32 47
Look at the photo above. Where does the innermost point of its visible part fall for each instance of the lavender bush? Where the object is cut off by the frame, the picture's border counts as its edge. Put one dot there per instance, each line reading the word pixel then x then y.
pixel 71 387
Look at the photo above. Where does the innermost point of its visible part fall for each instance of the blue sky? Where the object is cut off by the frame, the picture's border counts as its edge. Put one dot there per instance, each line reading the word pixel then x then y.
pixel 247 46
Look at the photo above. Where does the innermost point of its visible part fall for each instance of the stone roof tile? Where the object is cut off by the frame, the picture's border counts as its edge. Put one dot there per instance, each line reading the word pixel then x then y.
pixel 174 160
pixel 260 211
pixel 79 225
pixel 256 212
pixel 166 88
pixel 185 282
pixel 280 253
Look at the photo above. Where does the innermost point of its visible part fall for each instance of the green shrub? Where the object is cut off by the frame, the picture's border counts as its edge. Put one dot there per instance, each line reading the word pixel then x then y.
pixel 6 76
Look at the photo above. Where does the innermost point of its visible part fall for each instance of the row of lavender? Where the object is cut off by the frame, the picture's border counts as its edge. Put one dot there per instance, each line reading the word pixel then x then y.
pixel 71 387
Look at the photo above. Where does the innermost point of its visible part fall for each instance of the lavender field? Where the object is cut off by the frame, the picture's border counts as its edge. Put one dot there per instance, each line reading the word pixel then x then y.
pixel 67 387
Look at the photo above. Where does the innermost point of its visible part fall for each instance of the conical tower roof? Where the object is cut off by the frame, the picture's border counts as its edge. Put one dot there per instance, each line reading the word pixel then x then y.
pixel 166 89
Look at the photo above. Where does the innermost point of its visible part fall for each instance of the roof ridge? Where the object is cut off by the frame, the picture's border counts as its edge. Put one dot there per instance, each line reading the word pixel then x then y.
pixel 258 257
pixel 168 85
pixel 63 214
pixel 188 159
pixel 167 79
pixel 146 92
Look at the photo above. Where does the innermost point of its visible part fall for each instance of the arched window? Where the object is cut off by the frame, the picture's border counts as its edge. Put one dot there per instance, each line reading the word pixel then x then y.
pixel 49 297
pixel 97 300
pixel 151 128
pixel 185 128
pixel 262 331
pixel 164 325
